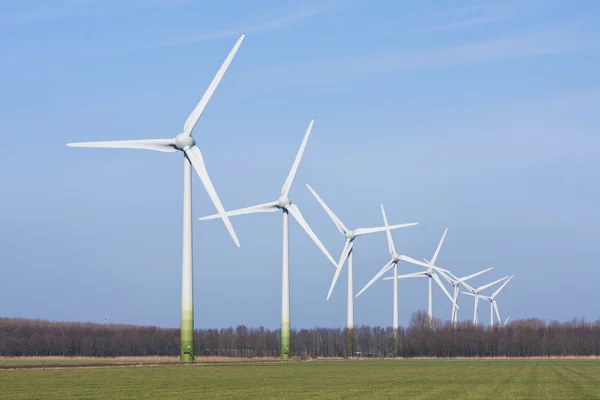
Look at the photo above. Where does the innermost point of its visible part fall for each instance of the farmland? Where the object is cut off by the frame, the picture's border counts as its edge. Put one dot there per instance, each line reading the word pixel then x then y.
pixel 423 379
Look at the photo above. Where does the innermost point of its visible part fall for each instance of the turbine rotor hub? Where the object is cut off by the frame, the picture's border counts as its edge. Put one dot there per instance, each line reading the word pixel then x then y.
pixel 283 202
pixel 184 142
pixel 350 235
pixel 395 257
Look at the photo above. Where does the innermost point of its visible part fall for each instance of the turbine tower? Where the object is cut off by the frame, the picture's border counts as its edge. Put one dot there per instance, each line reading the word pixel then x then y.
pixel 347 252
pixel 456 282
pixel 477 294
pixel 494 303
pixel 192 157
pixel 393 263
pixel 284 204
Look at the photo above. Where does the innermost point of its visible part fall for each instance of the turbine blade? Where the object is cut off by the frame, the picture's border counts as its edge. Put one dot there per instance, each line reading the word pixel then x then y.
pixel 338 223
pixel 260 208
pixel 467 286
pixel 382 271
pixel 437 250
pixel 340 265
pixel 164 145
pixel 448 278
pixel 467 293
pixel 441 285
pixel 287 185
pixel 479 289
pixel 501 287
pixel 195 156
pixel 405 276
pixel 391 247
pixel 293 209
pixel 367 231
pixel 497 312
pixel 466 278
pixel 506 322
pixel 192 120
pixel 420 263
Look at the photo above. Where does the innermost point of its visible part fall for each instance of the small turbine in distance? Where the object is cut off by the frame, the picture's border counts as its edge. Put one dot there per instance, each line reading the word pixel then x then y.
pixel 476 294
pixel 347 252
pixel 393 263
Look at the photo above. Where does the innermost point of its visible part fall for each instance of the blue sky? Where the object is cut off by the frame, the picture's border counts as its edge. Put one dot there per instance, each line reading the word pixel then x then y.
pixel 478 116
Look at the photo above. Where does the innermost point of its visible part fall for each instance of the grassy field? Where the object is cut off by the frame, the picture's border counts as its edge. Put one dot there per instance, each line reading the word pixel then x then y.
pixel 415 379
pixel 49 362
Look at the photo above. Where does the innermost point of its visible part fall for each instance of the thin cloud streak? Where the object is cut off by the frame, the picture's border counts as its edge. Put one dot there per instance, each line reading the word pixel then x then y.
pixel 514 47
pixel 483 14
pixel 60 10
pixel 273 24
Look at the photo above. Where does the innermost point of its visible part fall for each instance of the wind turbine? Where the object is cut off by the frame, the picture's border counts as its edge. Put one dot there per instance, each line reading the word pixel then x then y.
pixel 393 263
pixel 494 303
pixel 476 293
pixel 456 282
pixel 192 158
pixel 284 204
pixel 347 252
pixel 431 275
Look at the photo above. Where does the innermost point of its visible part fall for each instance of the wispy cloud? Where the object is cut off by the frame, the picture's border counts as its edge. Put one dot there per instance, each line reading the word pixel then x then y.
pixel 552 41
pixel 268 25
pixel 481 13
pixel 23 12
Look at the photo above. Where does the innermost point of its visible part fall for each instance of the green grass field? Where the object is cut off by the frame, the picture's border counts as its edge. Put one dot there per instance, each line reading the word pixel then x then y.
pixel 416 379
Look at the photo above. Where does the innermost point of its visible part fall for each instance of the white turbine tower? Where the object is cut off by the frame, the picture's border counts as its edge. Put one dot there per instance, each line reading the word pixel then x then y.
pixel 456 282
pixel 347 252
pixel 185 143
pixel 476 293
pixel 494 303
pixel 393 263
pixel 284 204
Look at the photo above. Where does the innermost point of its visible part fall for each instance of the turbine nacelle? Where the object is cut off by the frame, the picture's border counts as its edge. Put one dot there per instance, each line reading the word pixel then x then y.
pixel 350 234
pixel 284 202
pixel 184 141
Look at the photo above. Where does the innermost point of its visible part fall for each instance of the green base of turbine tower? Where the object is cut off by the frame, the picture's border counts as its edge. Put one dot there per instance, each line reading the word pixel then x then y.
pixel 285 340
pixel 187 337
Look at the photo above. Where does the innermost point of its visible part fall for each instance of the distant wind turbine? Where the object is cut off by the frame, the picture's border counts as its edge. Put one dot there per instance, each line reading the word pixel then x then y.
pixel 284 204
pixel 456 282
pixel 347 252
pixel 185 143
pixel 430 273
pixel 393 263
pixel 476 293
pixel 494 303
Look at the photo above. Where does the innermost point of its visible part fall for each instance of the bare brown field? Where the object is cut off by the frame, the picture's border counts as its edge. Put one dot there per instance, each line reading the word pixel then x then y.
pixel 58 362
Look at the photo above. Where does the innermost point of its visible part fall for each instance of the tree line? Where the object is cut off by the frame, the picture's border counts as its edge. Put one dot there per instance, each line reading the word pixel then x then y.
pixel 422 338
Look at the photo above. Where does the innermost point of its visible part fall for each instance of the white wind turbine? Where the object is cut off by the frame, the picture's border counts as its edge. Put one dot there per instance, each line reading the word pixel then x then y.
pixel 430 273
pixel 284 204
pixel 185 143
pixel 476 293
pixel 494 303
pixel 393 263
pixel 456 282
pixel 347 252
